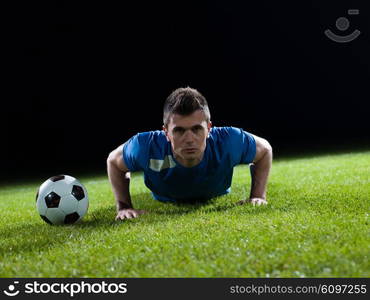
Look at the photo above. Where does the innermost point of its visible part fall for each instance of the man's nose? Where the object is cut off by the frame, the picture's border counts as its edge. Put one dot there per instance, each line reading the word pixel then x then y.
pixel 189 136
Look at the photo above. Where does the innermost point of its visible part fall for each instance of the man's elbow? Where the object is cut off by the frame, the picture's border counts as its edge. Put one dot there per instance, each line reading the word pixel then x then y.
pixel 266 149
pixel 110 158
pixel 115 159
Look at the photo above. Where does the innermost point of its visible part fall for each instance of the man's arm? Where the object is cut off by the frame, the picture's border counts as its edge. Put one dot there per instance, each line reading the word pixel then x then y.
pixel 119 177
pixel 260 171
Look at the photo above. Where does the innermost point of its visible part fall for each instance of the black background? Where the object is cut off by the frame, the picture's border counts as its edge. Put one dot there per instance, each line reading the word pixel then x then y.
pixel 83 77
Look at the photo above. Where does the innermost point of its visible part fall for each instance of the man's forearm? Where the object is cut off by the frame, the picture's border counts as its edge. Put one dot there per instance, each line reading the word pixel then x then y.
pixel 120 183
pixel 259 173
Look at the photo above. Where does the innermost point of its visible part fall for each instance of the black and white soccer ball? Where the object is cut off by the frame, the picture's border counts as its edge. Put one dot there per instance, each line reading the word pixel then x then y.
pixel 62 199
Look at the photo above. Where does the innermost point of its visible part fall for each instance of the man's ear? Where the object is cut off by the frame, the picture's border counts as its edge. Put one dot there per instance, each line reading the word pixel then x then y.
pixel 165 132
pixel 209 126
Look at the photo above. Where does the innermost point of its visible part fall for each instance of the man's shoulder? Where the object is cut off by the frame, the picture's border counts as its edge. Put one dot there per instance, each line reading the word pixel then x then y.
pixel 224 132
pixel 238 143
pixel 152 142
pixel 142 147
pixel 229 135
pixel 151 136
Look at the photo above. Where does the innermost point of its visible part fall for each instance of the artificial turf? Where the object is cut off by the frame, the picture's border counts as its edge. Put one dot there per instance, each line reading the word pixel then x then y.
pixel 315 225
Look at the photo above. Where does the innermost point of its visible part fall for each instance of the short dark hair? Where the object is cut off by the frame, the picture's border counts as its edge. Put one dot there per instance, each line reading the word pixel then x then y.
pixel 185 101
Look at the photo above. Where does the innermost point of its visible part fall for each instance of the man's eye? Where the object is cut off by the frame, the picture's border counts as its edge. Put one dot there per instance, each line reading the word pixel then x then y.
pixel 179 130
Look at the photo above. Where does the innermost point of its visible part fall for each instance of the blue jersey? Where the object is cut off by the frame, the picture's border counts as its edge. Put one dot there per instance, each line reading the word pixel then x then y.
pixel 168 180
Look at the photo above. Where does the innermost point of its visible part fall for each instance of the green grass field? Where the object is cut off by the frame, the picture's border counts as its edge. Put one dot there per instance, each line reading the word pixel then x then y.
pixel 316 225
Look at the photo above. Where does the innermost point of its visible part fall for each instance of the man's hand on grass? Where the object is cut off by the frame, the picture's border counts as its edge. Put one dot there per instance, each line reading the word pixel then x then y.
pixel 253 201
pixel 129 213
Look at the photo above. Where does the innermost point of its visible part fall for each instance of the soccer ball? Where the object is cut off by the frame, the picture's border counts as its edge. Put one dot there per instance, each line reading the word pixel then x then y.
pixel 62 199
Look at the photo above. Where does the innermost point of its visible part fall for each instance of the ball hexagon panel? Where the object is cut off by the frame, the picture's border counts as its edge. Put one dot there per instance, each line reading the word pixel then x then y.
pixel 65 186
pixel 68 204
pixel 55 215
pixel 62 188
pixel 83 206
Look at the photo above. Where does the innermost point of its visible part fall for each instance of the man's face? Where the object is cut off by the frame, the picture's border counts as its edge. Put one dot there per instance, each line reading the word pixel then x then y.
pixel 188 135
